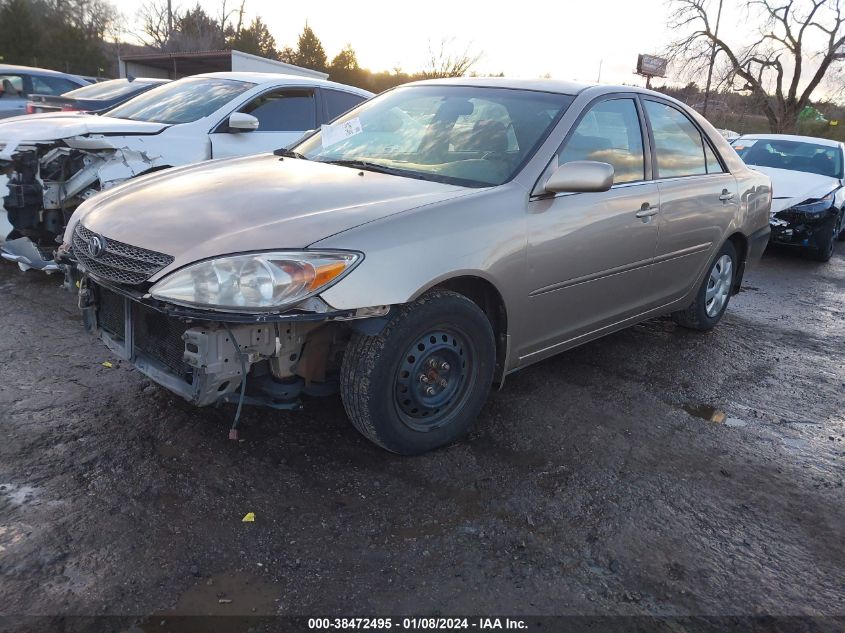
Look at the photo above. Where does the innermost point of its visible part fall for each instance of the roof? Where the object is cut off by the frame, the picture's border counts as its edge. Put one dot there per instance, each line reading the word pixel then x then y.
pixel 183 64
pixel 793 137
pixel 33 70
pixel 571 88
pixel 291 80
pixel 545 85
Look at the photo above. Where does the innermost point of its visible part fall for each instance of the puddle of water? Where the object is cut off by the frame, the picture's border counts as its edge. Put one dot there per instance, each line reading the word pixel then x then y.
pixel 168 450
pixel 796 443
pixel 18 494
pixel 243 597
pixel 705 412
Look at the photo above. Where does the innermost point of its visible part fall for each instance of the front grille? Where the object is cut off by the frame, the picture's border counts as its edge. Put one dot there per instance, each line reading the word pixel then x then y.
pixel 111 311
pixel 159 337
pixel 120 263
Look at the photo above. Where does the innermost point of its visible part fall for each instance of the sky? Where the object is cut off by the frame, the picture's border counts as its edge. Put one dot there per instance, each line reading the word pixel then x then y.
pixel 566 39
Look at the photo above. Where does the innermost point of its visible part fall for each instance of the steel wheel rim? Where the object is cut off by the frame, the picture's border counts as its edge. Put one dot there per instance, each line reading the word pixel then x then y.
pixel 718 285
pixel 433 379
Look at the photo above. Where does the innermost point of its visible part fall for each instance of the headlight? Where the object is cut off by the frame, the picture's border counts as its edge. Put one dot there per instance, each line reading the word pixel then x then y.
pixel 256 282
pixel 815 205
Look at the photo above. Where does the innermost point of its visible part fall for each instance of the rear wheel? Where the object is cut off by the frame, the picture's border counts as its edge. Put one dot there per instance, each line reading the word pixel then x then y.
pixel 420 382
pixel 713 295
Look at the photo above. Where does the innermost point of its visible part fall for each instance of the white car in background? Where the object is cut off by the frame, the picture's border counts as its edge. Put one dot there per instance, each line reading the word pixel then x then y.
pixel 56 161
pixel 808 188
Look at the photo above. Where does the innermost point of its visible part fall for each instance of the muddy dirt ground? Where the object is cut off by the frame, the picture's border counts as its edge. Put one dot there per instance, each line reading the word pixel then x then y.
pixel 594 483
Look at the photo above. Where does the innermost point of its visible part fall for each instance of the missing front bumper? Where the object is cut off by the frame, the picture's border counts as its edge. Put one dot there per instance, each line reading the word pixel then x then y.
pixel 198 361
pixel 27 255
pixel 206 361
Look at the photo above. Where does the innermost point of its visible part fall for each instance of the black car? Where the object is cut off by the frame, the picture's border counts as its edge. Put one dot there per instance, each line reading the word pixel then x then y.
pixel 94 98
pixel 808 188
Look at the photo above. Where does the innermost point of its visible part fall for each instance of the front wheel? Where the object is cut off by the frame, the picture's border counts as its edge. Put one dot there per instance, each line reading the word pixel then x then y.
pixel 420 382
pixel 713 295
pixel 825 245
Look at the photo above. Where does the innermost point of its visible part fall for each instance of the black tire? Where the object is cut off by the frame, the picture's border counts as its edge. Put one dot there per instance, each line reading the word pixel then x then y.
pixel 826 245
pixel 442 336
pixel 841 236
pixel 696 316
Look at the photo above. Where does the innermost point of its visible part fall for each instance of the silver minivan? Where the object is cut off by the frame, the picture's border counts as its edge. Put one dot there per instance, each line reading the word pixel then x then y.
pixel 420 248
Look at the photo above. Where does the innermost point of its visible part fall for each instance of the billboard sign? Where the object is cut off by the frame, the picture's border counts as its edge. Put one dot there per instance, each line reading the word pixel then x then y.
pixel 651 65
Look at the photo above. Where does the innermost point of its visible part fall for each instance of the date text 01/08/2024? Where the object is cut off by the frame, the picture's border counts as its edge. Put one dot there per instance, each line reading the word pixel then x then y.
pixel 413 624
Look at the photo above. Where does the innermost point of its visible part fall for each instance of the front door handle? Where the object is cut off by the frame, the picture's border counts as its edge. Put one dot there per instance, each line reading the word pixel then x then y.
pixel 726 196
pixel 647 210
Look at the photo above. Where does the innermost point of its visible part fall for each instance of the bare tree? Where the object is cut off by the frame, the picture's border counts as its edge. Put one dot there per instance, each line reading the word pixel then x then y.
pixel 444 62
pixel 798 41
pixel 156 23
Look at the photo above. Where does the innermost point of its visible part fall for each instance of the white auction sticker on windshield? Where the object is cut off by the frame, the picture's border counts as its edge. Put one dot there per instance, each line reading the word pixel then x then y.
pixel 333 134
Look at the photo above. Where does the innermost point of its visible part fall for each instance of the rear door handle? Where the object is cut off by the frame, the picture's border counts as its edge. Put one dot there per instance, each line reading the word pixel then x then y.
pixel 647 210
pixel 726 196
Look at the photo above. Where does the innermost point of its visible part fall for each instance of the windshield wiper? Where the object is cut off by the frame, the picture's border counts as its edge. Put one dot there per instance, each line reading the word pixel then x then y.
pixel 367 166
pixel 289 153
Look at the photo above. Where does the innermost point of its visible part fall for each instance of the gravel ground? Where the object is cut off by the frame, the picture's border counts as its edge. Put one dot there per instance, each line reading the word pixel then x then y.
pixel 594 483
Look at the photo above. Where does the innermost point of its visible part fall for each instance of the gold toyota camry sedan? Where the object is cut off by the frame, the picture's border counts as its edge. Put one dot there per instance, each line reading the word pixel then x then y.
pixel 420 248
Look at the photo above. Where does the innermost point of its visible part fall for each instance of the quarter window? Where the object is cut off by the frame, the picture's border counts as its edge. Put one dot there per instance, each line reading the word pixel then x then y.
pixel 609 133
pixel 713 164
pixel 284 111
pixel 677 142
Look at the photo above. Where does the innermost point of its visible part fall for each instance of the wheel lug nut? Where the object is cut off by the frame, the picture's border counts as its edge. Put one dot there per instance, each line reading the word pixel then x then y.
pixel 444 366
pixel 443 383
pixel 423 378
pixel 429 391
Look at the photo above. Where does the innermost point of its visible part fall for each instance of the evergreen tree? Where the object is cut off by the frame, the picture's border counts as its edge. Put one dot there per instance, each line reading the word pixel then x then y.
pixel 255 39
pixel 310 52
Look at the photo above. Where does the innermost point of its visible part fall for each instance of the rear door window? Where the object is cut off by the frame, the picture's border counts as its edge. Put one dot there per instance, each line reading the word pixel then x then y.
pixel 677 142
pixel 51 85
pixel 338 102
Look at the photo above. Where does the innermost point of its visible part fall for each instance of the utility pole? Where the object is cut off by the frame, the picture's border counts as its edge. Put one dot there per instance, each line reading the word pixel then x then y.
pixel 169 19
pixel 712 62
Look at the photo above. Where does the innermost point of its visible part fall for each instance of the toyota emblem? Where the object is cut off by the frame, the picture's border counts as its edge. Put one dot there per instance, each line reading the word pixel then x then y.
pixel 96 245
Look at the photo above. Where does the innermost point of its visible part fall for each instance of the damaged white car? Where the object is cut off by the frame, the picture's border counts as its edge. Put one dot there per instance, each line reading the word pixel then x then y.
pixel 51 163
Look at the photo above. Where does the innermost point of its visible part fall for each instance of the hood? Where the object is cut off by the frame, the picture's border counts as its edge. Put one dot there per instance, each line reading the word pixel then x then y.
pixel 793 187
pixel 250 204
pixel 54 126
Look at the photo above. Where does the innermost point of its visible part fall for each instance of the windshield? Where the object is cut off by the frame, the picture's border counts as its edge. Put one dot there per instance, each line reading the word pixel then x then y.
pixel 182 101
pixel 106 89
pixel 469 136
pixel 811 158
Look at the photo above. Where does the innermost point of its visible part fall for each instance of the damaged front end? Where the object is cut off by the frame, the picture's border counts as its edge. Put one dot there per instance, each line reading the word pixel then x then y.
pixel 47 181
pixel 206 356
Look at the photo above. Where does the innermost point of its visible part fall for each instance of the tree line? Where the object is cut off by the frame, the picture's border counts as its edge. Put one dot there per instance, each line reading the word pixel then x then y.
pixel 795 50
pixel 66 35
pixel 73 36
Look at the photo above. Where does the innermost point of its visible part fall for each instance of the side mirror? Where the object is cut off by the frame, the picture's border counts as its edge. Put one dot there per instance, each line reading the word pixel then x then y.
pixel 242 122
pixel 580 176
